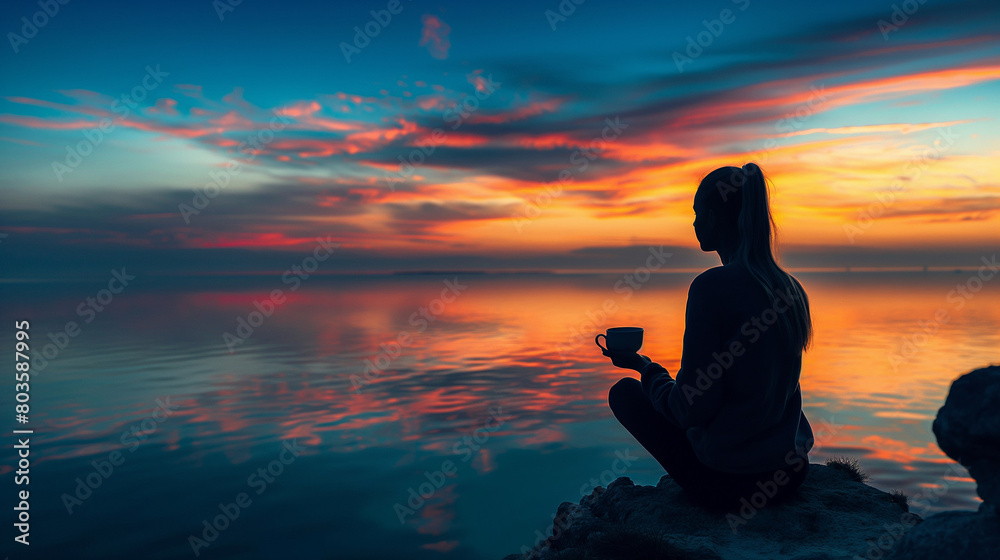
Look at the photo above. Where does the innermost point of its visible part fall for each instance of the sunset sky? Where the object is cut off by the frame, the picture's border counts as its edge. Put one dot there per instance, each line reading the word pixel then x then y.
pixel 879 135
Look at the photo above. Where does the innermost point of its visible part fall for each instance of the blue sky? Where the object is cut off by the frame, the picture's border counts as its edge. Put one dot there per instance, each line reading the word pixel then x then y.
pixel 894 93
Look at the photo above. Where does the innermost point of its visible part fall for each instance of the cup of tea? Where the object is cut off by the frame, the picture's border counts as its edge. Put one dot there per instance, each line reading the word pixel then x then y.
pixel 621 339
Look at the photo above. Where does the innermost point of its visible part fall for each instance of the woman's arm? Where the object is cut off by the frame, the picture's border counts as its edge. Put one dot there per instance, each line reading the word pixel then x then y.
pixel 694 398
pixel 657 384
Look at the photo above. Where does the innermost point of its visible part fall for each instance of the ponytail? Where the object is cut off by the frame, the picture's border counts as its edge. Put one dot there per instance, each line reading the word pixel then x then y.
pixel 756 234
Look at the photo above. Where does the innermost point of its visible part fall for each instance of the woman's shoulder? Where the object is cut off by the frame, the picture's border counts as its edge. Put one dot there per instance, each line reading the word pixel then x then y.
pixel 720 275
pixel 712 283
pixel 726 285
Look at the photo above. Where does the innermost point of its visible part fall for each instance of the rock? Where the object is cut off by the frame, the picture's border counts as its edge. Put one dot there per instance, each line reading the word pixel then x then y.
pixel 965 535
pixel 831 517
pixel 967 428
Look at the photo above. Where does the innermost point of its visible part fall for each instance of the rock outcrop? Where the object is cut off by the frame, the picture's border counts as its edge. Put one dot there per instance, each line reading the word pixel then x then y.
pixel 833 516
pixel 967 428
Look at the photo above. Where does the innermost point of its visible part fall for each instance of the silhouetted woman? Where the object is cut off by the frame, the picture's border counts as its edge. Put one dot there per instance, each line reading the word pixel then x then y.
pixel 730 426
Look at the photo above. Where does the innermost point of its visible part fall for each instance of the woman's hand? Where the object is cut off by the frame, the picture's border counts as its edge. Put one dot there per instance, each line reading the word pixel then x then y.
pixel 627 360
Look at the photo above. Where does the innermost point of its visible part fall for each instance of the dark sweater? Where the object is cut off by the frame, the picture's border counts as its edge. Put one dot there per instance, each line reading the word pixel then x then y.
pixel 737 392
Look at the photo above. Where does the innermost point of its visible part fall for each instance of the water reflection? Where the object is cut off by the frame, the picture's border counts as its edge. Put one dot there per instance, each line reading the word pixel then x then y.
pixel 435 367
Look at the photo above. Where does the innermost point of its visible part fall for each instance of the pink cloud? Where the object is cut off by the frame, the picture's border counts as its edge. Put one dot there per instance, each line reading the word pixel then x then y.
pixel 476 79
pixel 233 120
pixel 435 37
pixel 530 110
pixel 235 99
pixel 164 106
pixel 299 110
pixel 36 122
pixel 81 109
pixel 189 90
pixel 432 101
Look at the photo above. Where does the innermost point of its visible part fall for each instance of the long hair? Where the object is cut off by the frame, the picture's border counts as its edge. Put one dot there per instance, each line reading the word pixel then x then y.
pixel 746 193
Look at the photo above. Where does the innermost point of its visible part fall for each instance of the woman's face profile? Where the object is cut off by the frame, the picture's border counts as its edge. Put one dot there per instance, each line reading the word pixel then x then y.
pixel 704 224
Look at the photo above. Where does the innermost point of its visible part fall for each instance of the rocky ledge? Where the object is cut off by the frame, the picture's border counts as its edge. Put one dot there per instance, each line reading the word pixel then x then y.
pixel 834 515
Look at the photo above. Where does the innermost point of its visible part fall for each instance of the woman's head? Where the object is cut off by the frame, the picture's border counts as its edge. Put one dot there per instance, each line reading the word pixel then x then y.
pixel 732 209
pixel 733 216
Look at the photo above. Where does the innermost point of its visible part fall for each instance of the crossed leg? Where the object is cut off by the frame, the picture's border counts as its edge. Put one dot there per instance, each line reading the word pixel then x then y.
pixel 667 443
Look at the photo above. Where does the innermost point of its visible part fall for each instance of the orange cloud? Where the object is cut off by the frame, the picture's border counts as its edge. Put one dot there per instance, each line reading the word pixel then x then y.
pixel 902 128
pixel 757 99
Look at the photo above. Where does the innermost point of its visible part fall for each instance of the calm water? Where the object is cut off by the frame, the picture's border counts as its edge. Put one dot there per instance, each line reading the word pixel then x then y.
pixel 498 396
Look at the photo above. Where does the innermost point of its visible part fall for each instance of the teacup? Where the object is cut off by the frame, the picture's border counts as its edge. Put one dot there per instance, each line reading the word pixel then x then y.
pixel 621 339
